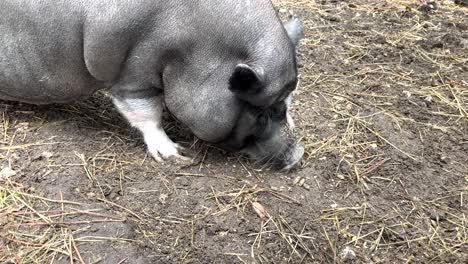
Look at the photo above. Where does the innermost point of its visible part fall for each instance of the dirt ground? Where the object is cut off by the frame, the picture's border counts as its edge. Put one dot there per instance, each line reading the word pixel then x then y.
pixel 382 111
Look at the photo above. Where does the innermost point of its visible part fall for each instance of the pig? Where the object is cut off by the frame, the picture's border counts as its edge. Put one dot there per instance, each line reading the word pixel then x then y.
pixel 225 69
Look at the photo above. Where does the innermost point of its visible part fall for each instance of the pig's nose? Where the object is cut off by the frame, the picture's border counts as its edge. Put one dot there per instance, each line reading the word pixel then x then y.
pixel 296 156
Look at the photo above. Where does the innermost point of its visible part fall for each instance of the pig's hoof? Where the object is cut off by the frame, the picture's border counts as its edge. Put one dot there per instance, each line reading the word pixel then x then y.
pixel 156 157
pixel 181 160
pixel 160 152
pixel 177 158
pixel 296 156
pixel 179 147
pixel 169 153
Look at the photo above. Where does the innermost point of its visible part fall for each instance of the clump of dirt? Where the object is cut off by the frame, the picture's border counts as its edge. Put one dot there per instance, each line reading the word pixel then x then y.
pixel 382 111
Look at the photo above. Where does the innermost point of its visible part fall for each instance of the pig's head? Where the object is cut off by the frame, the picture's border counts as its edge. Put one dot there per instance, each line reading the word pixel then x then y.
pixel 263 91
pixel 241 107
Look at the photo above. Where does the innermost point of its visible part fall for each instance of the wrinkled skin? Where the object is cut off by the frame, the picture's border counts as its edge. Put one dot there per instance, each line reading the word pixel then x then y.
pixel 223 68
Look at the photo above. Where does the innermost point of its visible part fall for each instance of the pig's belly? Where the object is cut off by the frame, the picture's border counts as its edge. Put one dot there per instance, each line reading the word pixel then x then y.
pixel 46 89
pixel 43 73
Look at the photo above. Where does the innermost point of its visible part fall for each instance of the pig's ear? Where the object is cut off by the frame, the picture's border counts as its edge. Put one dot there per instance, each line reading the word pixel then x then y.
pixel 246 80
pixel 294 29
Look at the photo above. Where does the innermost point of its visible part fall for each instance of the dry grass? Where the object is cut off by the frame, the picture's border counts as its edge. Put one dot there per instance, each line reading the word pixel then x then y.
pixel 35 229
pixel 361 140
pixel 406 227
pixel 352 112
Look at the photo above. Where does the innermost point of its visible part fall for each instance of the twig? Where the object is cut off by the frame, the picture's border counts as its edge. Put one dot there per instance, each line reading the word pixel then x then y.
pixel 76 249
pixel 123 260
pixel 121 207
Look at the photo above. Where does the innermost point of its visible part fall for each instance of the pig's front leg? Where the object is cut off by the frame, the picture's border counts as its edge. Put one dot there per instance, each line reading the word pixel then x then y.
pixel 146 115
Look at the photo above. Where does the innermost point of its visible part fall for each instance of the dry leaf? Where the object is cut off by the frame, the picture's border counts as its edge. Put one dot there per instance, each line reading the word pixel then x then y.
pixel 259 209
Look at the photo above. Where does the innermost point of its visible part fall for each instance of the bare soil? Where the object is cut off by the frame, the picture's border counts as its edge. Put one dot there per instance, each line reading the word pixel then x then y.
pixel 382 111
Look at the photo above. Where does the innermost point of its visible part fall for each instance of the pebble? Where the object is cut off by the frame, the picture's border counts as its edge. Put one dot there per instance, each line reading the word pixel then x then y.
pixel 296 180
pixel 163 197
pixel 182 181
pixel 301 182
pixel 7 173
pixel 47 154
pixel 347 254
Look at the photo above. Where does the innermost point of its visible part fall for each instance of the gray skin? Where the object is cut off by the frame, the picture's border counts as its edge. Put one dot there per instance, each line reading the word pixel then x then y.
pixel 222 68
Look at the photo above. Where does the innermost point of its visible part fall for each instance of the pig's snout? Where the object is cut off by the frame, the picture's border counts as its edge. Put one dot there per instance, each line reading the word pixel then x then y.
pixel 276 152
pixel 295 157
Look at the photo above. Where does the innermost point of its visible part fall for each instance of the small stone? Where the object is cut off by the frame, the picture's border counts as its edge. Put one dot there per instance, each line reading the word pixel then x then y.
pixel 428 7
pixel 6 173
pixel 223 233
pixel 407 93
pixel 461 2
pixel 438 217
pixel 182 181
pixel 347 254
pixel 296 180
pixel 301 182
pixel 22 126
pixel 91 195
pixel 47 154
pixel 332 18
pixel 163 197
pixel 14 156
pixel 106 190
